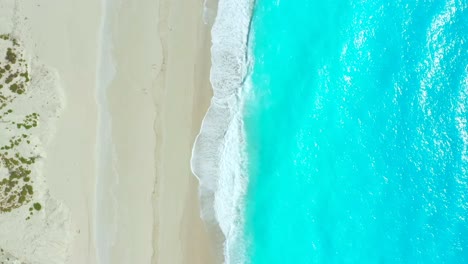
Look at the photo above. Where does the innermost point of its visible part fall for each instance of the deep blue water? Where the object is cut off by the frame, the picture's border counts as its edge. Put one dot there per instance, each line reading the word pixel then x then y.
pixel 357 132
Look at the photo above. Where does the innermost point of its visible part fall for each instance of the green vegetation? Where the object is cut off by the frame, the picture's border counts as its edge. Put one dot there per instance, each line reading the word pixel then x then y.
pixel 37 206
pixel 16 189
pixel 29 121
pixel 10 56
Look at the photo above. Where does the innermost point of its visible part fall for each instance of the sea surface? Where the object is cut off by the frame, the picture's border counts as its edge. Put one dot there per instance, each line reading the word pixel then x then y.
pixel 355 132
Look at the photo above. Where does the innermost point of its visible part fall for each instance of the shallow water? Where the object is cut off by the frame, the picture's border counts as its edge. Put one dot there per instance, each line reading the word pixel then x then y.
pixel 356 129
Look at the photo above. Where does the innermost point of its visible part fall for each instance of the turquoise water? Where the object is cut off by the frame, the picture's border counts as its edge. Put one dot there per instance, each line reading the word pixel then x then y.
pixel 357 133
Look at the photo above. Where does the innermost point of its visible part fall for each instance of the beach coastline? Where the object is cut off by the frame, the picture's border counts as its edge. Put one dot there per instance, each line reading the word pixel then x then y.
pixel 135 78
pixel 217 156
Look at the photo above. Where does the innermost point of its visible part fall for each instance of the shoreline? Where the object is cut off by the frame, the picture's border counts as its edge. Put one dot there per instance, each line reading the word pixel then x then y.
pixel 217 159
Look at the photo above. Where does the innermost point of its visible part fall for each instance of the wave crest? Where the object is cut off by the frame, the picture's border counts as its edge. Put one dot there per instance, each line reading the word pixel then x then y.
pixel 217 152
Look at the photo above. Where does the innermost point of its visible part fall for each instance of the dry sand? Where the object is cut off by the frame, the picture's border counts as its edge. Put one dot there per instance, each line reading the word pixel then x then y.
pixel 137 54
pixel 55 32
pixel 157 100
pixel 182 97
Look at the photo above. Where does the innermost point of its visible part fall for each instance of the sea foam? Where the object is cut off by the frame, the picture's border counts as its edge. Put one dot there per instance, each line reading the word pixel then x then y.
pixel 217 159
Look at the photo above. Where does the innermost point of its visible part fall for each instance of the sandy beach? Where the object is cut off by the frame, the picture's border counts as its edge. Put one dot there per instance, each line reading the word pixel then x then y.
pixel 182 98
pixel 53 31
pixel 132 199
pixel 163 79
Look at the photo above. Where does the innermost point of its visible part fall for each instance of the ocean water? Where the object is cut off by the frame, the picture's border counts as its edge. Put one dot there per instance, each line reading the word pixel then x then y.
pixel 354 118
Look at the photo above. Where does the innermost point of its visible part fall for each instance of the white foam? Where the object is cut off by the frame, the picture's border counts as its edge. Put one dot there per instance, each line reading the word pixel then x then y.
pixel 217 156
pixel 461 112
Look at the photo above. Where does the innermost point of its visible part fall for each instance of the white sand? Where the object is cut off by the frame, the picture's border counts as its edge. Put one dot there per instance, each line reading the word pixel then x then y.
pixel 182 98
pixel 156 103
pixel 162 79
pixel 55 32
pixel 136 55
pixel 26 236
